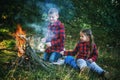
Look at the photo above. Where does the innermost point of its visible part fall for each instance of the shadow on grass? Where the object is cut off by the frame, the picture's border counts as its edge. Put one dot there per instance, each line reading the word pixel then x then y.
pixel 110 61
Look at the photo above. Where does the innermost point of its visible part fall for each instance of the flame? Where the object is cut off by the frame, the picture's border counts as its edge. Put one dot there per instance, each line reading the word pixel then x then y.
pixel 20 41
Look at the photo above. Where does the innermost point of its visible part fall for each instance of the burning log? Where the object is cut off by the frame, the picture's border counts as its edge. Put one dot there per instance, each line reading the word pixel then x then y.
pixel 26 50
pixel 20 40
pixel 27 57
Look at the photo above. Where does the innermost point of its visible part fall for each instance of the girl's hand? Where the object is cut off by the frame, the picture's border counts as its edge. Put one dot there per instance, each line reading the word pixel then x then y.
pixel 62 52
pixel 90 60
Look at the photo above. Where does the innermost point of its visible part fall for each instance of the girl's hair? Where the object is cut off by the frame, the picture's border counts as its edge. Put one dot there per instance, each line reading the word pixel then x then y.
pixel 88 33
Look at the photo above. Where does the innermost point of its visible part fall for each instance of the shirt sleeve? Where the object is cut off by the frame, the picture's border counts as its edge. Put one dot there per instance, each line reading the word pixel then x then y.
pixel 72 52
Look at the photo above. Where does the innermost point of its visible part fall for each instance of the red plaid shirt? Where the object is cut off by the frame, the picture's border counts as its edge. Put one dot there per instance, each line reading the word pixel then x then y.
pixel 82 50
pixel 56 35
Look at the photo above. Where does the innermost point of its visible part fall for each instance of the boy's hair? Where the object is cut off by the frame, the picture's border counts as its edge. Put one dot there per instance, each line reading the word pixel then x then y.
pixel 88 32
pixel 53 10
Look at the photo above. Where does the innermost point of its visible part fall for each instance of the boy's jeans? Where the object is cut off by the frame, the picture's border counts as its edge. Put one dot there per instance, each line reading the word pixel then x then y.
pixel 51 57
pixel 80 63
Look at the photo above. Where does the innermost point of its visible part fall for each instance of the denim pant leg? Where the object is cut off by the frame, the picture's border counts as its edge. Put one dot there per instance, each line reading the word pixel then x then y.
pixel 46 56
pixel 74 64
pixel 81 63
pixel 93 66
pixel 54 56
pixel 70 60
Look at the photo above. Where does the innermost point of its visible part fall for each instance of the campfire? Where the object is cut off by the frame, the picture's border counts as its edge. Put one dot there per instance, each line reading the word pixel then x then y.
pixel 27 57
pixel 26 48
pixel 20 40
pixel 34 41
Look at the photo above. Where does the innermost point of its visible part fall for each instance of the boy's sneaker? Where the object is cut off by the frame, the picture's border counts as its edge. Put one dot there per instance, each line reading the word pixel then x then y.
pixel 85 70
pixel 59 62
pixel 107 75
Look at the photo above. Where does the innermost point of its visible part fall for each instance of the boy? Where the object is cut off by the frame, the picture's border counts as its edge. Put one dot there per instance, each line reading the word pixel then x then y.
pixel 55 37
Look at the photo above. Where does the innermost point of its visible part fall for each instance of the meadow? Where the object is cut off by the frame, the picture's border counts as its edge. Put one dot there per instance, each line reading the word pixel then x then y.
pixel 101 16
pixel 108 59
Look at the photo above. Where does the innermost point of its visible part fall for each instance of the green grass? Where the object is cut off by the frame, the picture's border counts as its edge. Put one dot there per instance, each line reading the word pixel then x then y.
pixel 108 60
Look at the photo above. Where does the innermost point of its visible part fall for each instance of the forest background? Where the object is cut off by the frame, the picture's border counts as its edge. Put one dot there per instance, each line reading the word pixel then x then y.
pixel 101 16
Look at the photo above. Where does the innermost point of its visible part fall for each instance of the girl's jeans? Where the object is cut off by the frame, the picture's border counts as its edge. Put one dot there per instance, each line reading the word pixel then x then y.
pixel 51 57
pixel 83 63
pixel 70 60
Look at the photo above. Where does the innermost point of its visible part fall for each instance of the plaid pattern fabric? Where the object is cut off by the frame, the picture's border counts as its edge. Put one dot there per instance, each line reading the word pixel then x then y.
pixel 56 35
pixel 82 50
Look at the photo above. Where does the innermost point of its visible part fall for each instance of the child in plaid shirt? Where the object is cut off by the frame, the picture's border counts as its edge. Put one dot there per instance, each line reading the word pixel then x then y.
pixel 86 54
pixel 55 37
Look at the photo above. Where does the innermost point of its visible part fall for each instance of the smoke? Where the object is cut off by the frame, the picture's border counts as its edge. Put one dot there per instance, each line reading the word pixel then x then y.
pixel 45 8
pixel 65 8
pixel 34 13
pixel 39 28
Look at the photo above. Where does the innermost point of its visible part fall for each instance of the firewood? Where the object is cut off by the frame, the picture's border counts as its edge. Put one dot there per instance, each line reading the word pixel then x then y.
pixel 28 59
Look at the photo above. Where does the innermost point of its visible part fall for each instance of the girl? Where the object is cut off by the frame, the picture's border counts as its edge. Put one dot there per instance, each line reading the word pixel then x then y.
pixel 86 54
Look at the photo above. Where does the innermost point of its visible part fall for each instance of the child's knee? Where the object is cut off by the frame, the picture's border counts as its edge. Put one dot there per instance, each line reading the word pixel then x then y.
pixel 74 64
pixel 68 59
pixel 52 58
pixel 81 63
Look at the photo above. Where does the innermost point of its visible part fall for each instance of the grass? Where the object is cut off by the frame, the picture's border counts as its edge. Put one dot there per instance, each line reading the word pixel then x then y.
pixel 108 60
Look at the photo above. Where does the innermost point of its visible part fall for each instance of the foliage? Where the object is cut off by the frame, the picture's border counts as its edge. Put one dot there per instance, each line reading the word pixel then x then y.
pixel 102 16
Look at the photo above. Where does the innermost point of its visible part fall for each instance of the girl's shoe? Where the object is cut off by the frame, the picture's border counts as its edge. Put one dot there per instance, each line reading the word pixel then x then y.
pixel 106 75
pixel 85 70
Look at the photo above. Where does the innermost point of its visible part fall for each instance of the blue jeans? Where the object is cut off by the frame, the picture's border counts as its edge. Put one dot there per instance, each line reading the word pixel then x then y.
pixel 70 60
pixel 80 63
pixel 93 66
pixel 51 57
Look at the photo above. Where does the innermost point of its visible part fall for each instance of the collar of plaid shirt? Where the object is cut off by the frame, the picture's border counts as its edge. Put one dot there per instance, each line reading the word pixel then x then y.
pixel 55 24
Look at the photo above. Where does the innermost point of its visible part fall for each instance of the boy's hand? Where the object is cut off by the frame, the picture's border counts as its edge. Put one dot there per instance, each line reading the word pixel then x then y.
pixel 43 40
pixel 62 52
pixel 48 44
pixel 90 60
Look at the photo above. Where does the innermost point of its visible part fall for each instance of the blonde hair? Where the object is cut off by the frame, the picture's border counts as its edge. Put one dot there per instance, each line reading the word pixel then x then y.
pixel 53 10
